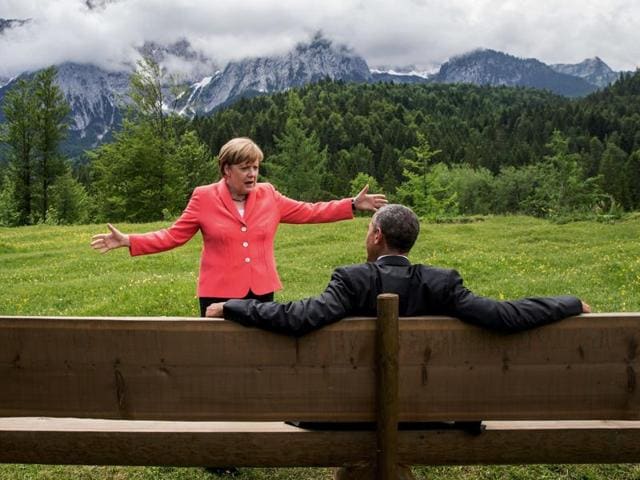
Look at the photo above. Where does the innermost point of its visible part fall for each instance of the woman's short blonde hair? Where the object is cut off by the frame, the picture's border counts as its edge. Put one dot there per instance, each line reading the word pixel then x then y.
pixel 237 151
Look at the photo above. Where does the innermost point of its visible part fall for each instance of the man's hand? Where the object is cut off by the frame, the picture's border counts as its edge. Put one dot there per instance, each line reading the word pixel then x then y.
pixel 215 310
pixel 104 242
pixel 585 307
pixel 369 202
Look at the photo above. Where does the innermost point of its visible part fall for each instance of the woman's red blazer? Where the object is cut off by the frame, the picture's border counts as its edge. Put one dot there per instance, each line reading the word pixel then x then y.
pixel 237 255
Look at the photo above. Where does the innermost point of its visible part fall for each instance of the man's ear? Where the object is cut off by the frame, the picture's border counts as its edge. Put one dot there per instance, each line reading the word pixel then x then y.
pixel 378 237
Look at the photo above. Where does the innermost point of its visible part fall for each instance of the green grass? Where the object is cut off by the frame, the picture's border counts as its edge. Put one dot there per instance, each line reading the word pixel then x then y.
pixel 531 472
pixel 48 270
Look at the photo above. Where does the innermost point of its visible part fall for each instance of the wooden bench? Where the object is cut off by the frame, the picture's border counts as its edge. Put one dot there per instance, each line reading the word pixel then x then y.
pixel 188 392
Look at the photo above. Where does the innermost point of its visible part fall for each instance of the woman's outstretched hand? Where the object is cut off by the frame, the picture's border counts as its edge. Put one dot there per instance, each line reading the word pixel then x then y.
pixel 369 201
pixel 104 242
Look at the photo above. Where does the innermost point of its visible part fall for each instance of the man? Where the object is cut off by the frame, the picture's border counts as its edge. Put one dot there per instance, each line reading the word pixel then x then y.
pixel 423 290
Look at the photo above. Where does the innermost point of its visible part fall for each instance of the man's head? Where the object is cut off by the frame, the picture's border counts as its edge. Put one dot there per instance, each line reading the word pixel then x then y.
pixel 393 230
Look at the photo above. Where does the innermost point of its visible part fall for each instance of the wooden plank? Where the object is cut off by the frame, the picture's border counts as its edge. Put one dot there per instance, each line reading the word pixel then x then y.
pixel 186 369
pixel 581 368
pixel 508 443
pixel 118 442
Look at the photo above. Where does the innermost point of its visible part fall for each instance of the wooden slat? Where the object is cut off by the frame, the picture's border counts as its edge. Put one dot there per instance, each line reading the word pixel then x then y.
pixel 186 369
pixel 118 442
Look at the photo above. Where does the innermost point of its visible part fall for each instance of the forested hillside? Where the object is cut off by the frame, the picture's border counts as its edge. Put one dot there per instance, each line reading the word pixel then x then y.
pixel 495 135
pixel 446 150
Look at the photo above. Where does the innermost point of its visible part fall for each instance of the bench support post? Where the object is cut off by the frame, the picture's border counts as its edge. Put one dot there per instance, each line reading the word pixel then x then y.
pixel 387 349
pixel 387 387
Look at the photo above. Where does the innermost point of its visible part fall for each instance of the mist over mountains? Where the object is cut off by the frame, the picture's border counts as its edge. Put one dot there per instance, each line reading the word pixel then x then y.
pixel 96 96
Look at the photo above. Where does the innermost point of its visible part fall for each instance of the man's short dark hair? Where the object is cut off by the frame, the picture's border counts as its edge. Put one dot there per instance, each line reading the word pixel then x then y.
pixel 399 225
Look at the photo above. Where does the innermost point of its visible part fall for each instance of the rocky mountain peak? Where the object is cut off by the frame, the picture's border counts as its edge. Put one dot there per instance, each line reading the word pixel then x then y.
pixel 593 70
pixel 489 67
pixel 306 63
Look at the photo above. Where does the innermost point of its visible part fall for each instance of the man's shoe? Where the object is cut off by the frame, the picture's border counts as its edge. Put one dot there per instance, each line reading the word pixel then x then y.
pixel 223 471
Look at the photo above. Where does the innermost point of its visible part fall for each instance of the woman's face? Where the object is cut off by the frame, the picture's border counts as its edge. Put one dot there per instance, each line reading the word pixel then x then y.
pixel 242 178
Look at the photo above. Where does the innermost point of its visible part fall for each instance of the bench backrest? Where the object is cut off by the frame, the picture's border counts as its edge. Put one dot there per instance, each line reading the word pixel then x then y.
pixel 192 369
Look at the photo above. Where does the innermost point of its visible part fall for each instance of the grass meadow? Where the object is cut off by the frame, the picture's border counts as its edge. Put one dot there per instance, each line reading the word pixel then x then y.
pixel 51 270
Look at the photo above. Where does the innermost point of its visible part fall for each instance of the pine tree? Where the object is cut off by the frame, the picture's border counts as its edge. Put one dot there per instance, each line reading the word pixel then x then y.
pixel 298 167
pixel 427 188
pixel 69 201
pixel 565 184
pixel 19 133
pixel 51 124
pixel 8 210
pixel 196 165
pixel 613 178
pixel 633 179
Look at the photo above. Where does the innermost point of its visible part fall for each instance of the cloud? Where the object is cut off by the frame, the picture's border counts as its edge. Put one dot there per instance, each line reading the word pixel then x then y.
pixel 424 32
pixel 418 32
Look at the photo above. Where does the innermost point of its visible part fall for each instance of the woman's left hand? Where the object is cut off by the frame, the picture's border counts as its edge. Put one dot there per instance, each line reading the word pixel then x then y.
pixel 369 201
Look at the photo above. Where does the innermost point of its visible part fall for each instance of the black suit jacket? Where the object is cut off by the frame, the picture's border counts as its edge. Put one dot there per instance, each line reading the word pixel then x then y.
pixel 423 290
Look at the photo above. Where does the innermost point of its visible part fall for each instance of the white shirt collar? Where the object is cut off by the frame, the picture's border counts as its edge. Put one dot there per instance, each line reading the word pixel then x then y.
pixel 392 255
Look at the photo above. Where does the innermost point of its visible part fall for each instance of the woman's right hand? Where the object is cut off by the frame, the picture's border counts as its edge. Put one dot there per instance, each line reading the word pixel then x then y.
pixel 104 242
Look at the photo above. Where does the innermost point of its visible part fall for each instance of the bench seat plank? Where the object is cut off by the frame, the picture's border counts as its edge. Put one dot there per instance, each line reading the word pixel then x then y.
pixel 271 444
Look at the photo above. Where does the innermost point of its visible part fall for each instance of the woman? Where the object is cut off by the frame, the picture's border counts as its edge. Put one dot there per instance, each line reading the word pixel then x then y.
pixel 238 218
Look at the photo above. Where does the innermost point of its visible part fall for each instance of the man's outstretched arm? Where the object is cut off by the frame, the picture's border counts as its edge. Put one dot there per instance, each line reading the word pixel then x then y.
pixel 293 318
pixel 510 315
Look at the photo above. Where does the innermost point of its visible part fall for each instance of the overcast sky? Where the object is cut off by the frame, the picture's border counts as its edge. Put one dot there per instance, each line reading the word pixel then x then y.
pixel 390 32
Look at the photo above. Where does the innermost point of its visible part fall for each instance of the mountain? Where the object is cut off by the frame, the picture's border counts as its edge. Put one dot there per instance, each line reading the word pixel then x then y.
pixel 96 98
pixel 593 70
pixel 306 63
pixel 489 67
pixel 96 95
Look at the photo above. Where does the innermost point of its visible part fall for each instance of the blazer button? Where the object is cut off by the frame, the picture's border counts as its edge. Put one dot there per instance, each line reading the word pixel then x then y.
pixel 247 260
pixel 245 244
pixel 243 229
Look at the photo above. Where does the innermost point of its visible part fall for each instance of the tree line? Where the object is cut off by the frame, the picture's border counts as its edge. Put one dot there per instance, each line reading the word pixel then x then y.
pixel 495 149
pixel 446 150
